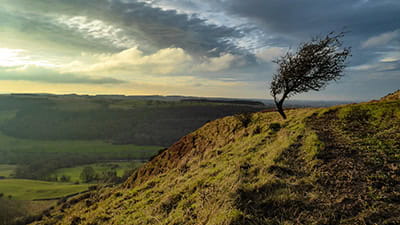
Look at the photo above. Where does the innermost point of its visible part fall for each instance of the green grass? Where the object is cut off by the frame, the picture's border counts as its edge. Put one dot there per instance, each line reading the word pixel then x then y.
pixel 15 149
pixel 74 172
pixel 6 170
pixel 31 189
pixel 98 147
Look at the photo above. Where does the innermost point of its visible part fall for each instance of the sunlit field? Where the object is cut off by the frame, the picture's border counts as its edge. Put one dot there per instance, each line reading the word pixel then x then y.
pixel 21 189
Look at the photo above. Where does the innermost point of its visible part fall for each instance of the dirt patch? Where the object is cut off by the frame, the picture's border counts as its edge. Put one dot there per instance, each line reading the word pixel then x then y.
pixel 349 185
pixel 347 178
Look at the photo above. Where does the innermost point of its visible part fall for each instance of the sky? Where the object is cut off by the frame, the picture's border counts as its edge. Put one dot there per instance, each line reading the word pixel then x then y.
pixel 215 48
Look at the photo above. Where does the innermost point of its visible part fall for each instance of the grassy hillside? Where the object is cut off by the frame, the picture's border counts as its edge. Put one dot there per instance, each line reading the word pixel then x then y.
pixel 338 165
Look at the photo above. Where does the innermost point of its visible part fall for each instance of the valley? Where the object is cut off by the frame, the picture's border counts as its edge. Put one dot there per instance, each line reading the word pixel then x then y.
pixel 47 141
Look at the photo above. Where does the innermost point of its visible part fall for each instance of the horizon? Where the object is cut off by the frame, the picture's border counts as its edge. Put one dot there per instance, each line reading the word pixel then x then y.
pixel 182 96
pixel 190 48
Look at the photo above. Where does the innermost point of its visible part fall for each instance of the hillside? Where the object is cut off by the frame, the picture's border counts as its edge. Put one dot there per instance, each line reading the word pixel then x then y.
pixel 338 165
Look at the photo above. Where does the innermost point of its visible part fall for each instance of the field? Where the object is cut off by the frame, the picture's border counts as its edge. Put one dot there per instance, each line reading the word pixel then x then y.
pixel 27 190
pixel 32 189
pixel 16 150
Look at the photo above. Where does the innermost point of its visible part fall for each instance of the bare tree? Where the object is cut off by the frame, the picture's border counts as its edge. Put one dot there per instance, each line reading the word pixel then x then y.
pixel 310 68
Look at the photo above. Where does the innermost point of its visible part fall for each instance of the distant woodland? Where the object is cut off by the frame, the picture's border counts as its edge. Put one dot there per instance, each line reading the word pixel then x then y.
pixel 140 122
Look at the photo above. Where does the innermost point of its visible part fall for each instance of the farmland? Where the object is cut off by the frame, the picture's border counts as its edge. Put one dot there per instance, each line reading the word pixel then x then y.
pixel 21 189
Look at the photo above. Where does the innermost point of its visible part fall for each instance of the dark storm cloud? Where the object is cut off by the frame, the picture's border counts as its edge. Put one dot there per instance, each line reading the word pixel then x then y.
pixel 151 27
pixel 166 28
pixel 45 32
pixel 292 21
pixel 303 17
pixel 286 23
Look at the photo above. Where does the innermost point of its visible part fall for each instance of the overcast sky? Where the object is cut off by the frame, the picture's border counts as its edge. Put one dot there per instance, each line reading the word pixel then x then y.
pixel 215 48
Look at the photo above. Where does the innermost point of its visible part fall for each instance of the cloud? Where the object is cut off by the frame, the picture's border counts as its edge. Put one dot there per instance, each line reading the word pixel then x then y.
pixel 269 54
pixel 302 18
pixel 20 57
pixel 382 66
pixel 39 74
pixel 223 62
pixel 150 27
pixel 381 39
pixel 97 29
pixel 41 31
pixel 187 42
pixel 134 62
pixel 167 28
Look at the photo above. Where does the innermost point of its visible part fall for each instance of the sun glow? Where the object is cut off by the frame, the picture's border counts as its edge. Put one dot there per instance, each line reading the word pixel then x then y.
pixel 19 58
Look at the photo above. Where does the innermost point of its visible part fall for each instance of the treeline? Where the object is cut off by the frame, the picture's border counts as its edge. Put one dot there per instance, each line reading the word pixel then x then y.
pixel 239 102
pixel 18 156
pixel 89 175
pixel 41 169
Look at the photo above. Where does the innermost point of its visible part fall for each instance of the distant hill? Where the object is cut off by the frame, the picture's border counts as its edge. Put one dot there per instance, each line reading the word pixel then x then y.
pixel 337 165
pixel 140 120
pixel 239 102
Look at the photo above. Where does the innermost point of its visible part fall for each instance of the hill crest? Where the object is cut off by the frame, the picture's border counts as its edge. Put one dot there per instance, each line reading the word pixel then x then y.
pixel 335 165
pixel 392 96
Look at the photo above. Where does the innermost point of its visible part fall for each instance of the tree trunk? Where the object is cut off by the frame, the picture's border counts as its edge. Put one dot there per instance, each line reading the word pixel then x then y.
pixel 279 106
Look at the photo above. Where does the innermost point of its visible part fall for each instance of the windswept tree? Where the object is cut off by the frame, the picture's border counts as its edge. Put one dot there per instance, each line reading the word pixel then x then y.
pixel 315 63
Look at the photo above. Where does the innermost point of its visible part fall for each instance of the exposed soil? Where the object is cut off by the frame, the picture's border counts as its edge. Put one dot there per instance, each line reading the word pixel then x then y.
pixel 352 179
pixel 350 185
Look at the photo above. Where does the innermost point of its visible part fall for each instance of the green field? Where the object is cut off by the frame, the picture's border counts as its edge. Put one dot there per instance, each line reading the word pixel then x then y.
pixel 15 150
pixel 74 172
pixel 22 189
pixel 32 189
pixel 6 170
